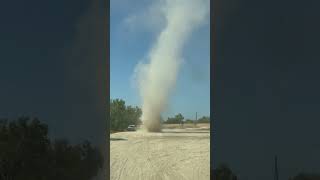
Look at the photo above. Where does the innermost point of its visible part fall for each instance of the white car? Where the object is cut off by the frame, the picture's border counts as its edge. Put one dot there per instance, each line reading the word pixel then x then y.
pixel 131 128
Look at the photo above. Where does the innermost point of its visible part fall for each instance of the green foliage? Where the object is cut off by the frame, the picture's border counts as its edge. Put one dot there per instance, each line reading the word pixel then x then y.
pixel 304 176
pixel 177 119
pixel 189 121
pixel 121 116
pixel 223 172
pixel 26 153
pixel 204 119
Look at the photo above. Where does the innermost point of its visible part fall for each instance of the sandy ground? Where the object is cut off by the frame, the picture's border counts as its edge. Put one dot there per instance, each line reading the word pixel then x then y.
pixel 174 154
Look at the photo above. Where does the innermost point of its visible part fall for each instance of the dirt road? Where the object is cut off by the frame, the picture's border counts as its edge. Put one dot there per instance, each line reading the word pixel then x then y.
pixel 174 154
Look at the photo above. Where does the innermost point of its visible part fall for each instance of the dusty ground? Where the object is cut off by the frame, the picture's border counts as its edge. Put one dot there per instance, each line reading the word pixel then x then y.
pixel 187 125
pixel 174 154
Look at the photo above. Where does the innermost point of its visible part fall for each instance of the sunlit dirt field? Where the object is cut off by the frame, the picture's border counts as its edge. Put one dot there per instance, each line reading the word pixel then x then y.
pixel 174 154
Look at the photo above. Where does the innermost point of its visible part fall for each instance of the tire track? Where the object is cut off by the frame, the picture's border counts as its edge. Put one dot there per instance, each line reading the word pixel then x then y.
pixel 160 156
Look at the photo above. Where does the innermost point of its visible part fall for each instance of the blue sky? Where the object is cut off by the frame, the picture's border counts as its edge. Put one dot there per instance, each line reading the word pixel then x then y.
pixel 134 27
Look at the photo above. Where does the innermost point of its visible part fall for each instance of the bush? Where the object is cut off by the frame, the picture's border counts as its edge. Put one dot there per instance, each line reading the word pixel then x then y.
pixel 189 121
pixel 26 153
pixel 304 176
pixel 204 119
pixel 177 119
pixel 223 172
pixel 121 116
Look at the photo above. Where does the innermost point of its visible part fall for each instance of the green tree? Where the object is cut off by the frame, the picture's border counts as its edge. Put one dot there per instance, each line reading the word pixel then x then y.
pixel 189 121
pixel 223 172
pixel 118 115
pixel 133 115
pixel 177 119
pixel 121 116
pixel 305 176
pixel 26 153
pixel 204 119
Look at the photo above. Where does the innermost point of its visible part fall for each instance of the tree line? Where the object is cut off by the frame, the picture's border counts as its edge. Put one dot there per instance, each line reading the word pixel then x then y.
pixel 27 153
pixel 122 115
pixel 178 119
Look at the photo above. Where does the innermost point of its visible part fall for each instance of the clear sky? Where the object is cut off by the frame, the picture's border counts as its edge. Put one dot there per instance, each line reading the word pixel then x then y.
pixel 133 29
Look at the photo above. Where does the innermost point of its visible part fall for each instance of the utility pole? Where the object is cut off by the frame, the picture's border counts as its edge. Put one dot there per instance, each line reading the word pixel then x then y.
pixel 276 173
pixel 195 122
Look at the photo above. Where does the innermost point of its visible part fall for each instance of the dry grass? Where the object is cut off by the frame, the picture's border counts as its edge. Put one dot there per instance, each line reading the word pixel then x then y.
pixel 175 126
pixel 188 125
pixel 111 131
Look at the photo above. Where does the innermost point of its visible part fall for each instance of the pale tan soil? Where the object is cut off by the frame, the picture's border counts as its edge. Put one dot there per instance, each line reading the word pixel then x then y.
pixel 187 125
pixel 174 154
